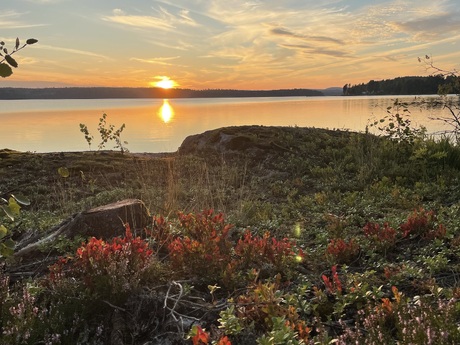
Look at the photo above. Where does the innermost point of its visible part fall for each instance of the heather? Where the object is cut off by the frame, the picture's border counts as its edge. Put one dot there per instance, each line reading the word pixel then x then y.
pixel 258 235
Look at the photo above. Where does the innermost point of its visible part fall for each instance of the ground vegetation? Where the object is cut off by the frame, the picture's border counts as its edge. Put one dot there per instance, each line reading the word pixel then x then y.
pixel 258 235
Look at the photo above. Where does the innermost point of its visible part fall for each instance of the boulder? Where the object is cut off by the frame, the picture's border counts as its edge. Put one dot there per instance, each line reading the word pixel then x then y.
pixel 251 141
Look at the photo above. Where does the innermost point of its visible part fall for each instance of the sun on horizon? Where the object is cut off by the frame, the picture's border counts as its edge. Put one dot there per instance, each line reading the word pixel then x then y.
pixel 164 83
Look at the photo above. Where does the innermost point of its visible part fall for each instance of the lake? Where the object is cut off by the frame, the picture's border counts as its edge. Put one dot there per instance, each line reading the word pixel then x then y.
pixel 156 125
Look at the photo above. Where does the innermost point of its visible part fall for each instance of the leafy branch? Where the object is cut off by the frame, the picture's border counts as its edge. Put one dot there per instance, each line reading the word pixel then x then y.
pixel 453 87
pixel 10 208
pixel 7 60
pixel 397 125
pixel 430 65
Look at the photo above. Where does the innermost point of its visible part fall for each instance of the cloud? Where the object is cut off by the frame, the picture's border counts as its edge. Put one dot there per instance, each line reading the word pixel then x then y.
pixel 141 21
pixel 184 18
pixel 158 61
pixel 13 20
pixel 285 32
pixel 317 50
pixel 272 39
pixel 431 27
pixel 161 18
pixel 73 51
pixel 176 45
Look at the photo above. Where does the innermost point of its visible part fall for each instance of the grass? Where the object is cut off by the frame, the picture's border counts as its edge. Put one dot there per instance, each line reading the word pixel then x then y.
pixel 317 188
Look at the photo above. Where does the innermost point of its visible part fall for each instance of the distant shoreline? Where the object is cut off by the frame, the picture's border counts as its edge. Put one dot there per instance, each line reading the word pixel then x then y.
pixel 11 93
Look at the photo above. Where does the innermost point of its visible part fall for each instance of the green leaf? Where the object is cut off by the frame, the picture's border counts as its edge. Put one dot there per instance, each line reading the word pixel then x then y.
pixel 13 206
pixel 3 231
pixel 21 199
pixel 9 243
pixel 7 212
pixel 6 250
pixel 11 61
pixel 31 41
pixel 17 43
pixel 64 172
pixel 5 70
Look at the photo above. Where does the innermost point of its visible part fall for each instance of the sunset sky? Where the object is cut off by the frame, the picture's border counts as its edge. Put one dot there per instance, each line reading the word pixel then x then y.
pixel 237 44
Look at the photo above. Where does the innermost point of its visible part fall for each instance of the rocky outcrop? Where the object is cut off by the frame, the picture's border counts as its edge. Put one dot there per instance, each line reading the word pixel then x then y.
pixel 251 141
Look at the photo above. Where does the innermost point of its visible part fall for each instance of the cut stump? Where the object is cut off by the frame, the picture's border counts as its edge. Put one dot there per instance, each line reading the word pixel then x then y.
pixel 102 222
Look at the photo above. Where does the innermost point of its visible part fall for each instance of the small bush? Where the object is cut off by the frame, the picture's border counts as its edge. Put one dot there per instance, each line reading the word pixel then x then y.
pixel 382 238
pixel 258 252
pixel 205 250
pixel 422 223
pixel 107 269
pixel 341 251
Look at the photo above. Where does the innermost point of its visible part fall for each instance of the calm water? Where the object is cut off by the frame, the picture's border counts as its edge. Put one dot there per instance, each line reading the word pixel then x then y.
pixel 154 125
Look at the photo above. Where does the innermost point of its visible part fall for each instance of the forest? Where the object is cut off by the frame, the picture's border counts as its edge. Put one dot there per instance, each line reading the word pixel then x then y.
pixel 412 85
pixel 152 92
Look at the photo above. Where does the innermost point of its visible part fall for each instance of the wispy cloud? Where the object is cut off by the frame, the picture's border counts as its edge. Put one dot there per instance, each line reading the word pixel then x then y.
pixel 285 32
pixel 73 51
pixel 165 61
pixel 431 27
pixel 176 45
pixel 160 18
pixel 13 20
pixel 141 21
pixel 317 50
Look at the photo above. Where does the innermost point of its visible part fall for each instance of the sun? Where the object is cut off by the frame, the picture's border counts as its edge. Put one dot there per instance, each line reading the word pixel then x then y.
pixel 164 83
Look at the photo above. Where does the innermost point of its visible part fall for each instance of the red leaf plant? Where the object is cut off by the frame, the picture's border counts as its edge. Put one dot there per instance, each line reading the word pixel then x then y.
pixel 206 248
pixel 342 251
pixel 424 223
pixel 382 237
pixel 198 335
pixel 333 284
pixel 254 251
pixel 205 245
pixel 107 267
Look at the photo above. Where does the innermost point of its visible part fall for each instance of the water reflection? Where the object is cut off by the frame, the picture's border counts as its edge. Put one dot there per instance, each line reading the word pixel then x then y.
pixel 166 112
pixel 53 125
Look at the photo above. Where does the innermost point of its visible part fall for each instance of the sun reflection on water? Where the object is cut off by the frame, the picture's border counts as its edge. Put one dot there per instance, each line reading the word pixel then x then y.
pixel 166 112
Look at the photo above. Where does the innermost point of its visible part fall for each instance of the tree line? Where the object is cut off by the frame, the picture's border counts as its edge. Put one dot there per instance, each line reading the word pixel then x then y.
pixel 412 85
pixel 126 92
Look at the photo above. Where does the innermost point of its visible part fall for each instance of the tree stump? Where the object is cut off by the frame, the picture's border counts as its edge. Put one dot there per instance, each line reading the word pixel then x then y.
pixel 102 222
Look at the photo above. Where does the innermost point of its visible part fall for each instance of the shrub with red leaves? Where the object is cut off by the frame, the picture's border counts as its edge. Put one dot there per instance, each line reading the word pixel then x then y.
pixel 205 247
pixel 341 251
pixel 254 251
pixel 383 237
pixel 107 267
pixel 422 223
pixel 333 284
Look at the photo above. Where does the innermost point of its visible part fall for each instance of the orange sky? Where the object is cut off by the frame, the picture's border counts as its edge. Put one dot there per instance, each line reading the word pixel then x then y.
pixel 227 44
